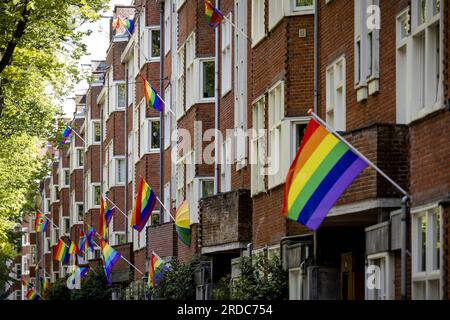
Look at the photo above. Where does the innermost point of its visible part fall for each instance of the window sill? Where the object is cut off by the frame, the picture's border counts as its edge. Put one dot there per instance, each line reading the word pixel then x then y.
pixel 255 42
pixel 361 92
pixel 373 85
pixel 256 193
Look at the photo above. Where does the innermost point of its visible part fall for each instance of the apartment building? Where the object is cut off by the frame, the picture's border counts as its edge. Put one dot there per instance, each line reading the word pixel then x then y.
pixel 382 82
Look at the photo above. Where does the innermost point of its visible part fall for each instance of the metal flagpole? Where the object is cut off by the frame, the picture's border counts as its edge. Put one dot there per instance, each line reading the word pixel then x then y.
pixel 316 117
pixel 239 30
pixel 76 133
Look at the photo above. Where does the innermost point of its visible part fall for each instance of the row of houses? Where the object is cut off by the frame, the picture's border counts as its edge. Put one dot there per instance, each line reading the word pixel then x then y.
pixel 376 70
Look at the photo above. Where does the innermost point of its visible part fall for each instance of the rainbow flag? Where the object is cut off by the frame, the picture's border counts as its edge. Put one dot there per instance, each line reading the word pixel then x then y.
pixel 156 270
pixel 73 248
pixel 126 23
pixel 145 202
pixel 44 285
pixel 152 99
pixel 67 131
pixel 322 170
pixel 213 14
pixel 105 217
pixel 32 295
pixel 90 241
pixel 110 257
pixel 82 244
pixel 182 223
pixel 40 223
pixel 61 252
pixel 27 284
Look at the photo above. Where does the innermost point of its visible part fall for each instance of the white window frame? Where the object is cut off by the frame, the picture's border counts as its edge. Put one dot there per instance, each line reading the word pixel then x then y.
pixel 167 26
pixel 145 130
pixel 258 21
pixel 64 183
pixel 338 120
pixel 302 9
pixel 275 142
pixel 167 202
pixel 225 167
pixel 424 83
pixel 117 159
pixel 201 62
pixel 130 156
pixel 258 147
pixel 180 181
pixel 429 274
pixel 226 51
pixel 180 82
pixel 117 85
pixel 167 118
pixel 65 223
pixel 387 274
pixel 93 187
pixel 191 71
pixel 95 123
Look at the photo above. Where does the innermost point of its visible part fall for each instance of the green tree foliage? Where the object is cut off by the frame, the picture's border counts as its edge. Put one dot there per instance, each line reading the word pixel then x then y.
pixel 261 279
pixel 58 290
pixel 178 282
pixel 40 45
pixel 93 287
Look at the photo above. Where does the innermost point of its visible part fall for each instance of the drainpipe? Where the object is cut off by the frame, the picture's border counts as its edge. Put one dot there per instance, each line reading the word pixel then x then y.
pixel 404 246
pixel 216 110
pixel 316 56
pixel 161 116
pixel 125 202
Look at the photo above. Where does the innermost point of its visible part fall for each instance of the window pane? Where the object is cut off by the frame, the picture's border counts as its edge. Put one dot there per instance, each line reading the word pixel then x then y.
pixel 155 43
pixel 304 3
pixel 121 95
pixel 208 79
pixel 120 170
pixel 422 235
pixel 300 129
pixel 369 54
pixel 437 242
pixel 422 12
pixel 207 188
pixel 80 157
pixel 97 135
pixel 154 135
pixel 97 195
pixel 66 177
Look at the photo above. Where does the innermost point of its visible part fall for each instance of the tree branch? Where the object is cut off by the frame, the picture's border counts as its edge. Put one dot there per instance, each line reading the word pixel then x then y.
pixel 20 30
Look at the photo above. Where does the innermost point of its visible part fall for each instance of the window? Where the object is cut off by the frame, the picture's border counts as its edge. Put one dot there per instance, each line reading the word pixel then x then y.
pixel 419 60
pixel 17 294
pixel 258 20
pixel 207 74
pixel 25 267
pixel 276 114
pixel 367 56
pixel 130 66
pixel 380 277
pixel 207 188
pixel 121 89
pixel 179 93
pixel 167 118
pixel 258 146
pixel 130 154
pixel 155 46
pixel 120 173
pixel 225 167
pixel 180 182
pixel 240 84
pixel 426 253
pixel 66 177
pixel 167 202
pixel 335 95
pixel 96 195
pixel 18 271
pixel 54 235
pixel 118 237
pixel 56 191
pixel 303 5
pixel 227 34
pixel 80 158
pixel 33 255
pixel 190 71
pixel 154 135
pixel 79 212
pixel 276 12
pixel 97 131
pixel 167 26
pixel 108 167
pixel 47 245
pixel 65 226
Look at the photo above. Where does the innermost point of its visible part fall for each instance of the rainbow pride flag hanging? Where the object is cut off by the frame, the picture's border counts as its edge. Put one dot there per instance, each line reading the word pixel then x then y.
pixel 73 248
pixel 67 131
pixel 156 270
pixel 110 257
pixel 322 170
pixel 61 252
pixel 40 223
pixel 182 223
pixel 44 285
pixel 82 244
pixel 32 295
pixel 152 99
pixel 126 23
pixel 213 14
pixel 145 202
pixel 105 217
pixel 89 240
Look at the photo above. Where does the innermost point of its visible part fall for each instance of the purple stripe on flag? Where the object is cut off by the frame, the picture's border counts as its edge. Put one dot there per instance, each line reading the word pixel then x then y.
pixel 335 192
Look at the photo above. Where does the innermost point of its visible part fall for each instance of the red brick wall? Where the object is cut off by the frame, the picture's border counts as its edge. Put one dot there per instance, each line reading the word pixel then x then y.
pixel 140 261
pixel 184 252
pixel 162 239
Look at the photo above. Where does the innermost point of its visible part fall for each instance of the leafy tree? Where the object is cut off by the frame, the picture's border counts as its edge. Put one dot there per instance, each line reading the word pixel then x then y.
pixel 93 287
pixel 58 290
pixel 178 282
pixel 40 45
pixel 261 279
